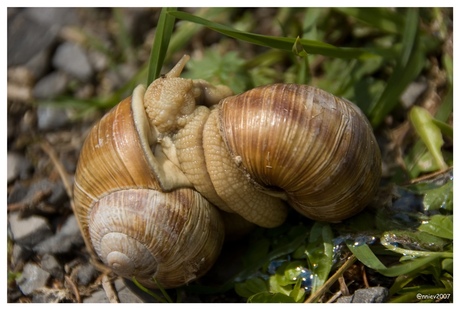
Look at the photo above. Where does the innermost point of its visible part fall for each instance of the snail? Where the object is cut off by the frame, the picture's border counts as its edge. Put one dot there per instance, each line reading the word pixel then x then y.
pixel 160 174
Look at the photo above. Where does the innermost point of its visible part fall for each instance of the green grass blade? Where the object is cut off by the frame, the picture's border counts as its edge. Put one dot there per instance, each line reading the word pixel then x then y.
pixel 410 64
pixel 283 43
pixel 368 258
pixel 380 18
pixel 160 44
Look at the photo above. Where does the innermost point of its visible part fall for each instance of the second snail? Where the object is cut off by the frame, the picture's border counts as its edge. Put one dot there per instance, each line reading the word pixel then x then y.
pixel 170 171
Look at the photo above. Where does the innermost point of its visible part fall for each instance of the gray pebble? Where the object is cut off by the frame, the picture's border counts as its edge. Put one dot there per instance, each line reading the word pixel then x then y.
pixel 412 92
pixel 63 241
pixel 28 231
pixel 51 86
pixel 17 166
pixel 32 278
pixel 50 118
pixel 73 60
pixel 345 299
pixel 53 16
pixel 124 294
pixel 98 296
pixel 19 255
pixel 27 37
pixel 86 273
pixel 50 264
pixel 376 294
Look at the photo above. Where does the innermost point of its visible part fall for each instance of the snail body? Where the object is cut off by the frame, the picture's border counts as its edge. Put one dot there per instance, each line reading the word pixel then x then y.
pixel 153 170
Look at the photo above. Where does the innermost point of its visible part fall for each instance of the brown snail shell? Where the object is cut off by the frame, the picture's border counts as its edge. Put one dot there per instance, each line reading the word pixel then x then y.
pixel 317 149
pixel 132 224
pixel 189 143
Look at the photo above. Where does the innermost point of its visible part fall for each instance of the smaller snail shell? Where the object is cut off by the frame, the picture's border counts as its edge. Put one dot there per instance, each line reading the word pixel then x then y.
pixel 146 234
pixel 128 213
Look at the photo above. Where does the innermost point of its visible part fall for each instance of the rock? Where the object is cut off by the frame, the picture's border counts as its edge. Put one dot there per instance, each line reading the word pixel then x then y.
pixel 63 241
pixel 53 17
pixel 98 296
pixel 86 273
pixel 345 299
pixel 73 60
pixel 50 86
pixel 40 63
pixel 50 264
pixel 124 293
pixel 50 118
pixel 27 37
pixel 18 166
pixel 376 294
pixel 370 295
pixel 412 92
pixel 28 231
pixel 19 255
pixel 32 278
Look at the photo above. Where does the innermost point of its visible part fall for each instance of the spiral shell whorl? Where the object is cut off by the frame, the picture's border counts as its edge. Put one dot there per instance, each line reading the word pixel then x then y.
pixel 317 148
pixel 145 233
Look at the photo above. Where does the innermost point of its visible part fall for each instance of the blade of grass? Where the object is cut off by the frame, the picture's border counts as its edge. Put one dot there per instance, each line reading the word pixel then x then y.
pixel 380 18
pixel 283 43
pixel 410 64
pixel 368 258
pixel 160 43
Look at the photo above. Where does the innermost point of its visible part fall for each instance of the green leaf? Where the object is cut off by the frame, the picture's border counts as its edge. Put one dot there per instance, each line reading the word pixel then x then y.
pixel 430 134
pixel 439 225
pixel 365 255
pixel 413 243
pixel 227 69
pixel 439 198
pixel 319 252
pixel 160 43
pixel 298 292
pixel 448 265
pixel 267 297
pixel 446 129
pixel 250 287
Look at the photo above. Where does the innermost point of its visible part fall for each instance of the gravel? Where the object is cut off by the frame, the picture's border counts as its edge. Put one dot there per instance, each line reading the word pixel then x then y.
pixel 48 59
